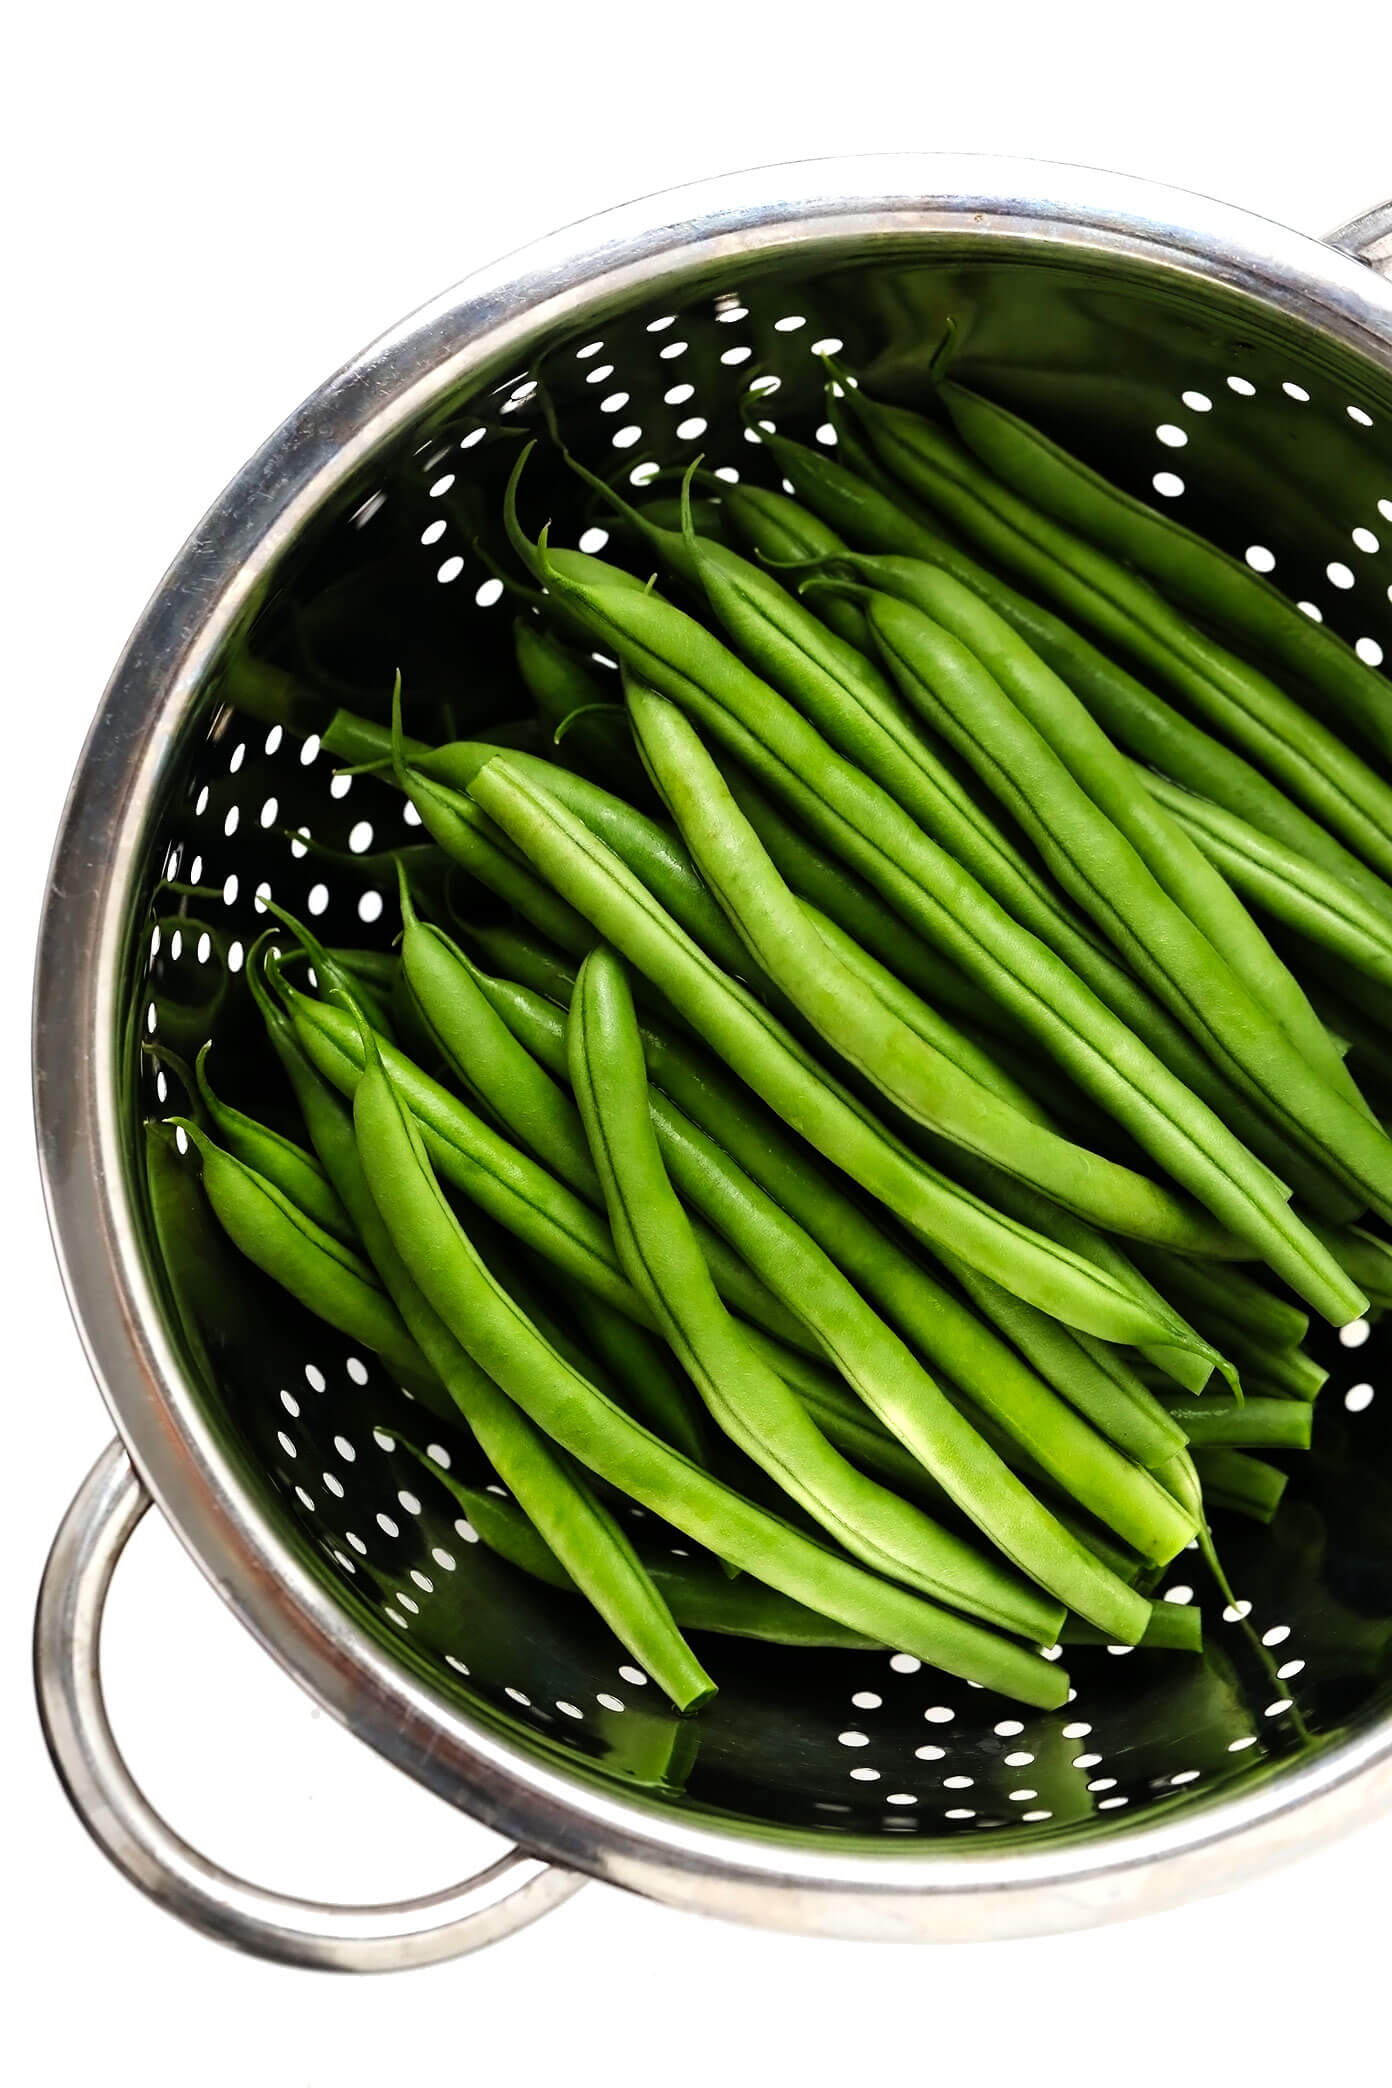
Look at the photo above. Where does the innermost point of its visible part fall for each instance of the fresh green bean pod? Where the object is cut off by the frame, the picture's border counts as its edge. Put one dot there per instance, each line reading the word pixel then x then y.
pixel 698 1597
pixel 645 1374
pixel 1256 1424
pixel 909 1067
pixel 1098 768
pixel 1244 1484
pixel 780 532
pixel 1230 1292
pixel 925 1020
pixel 838 895
pixel 287 1166
pixel 747 1399
pixel 904 1398
pixel 1091 1376
pixel 471 840
pixel 1150 729
pixel 529 958
pixel 484 1054
pixel 1172 1627
pixel 1240 702
pixel 1217 588
pixel 1159 940
pixel 512 1189
pixel 1193 1144
pixel 329 1278
pixel 651 850
pixel 1287 886
pixel 581 1531
pixel 579 709
pixel 931 1318
pixel 625 1454
pixel 763 1054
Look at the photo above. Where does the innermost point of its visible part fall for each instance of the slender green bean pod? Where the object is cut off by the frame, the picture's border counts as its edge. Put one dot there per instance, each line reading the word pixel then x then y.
pixel 932 890
pixel 1112 784
pixel 511 1188
pixel 911 1068
pixel 1243 1484
pixel 770 1062
pixel 333 1281
pixel 747 1399
pixel 698 1597
pixel 1240 702
pixel 1217 588
pixel 618 1449
pixel 1172 1627
pixel 931 1318
pixel 838 895
pixel 1096 861
pixel 287 1166
pixel 1258 1424
pixel 1282 883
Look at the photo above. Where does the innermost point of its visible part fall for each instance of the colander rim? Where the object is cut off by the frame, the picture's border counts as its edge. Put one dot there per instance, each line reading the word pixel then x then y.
pixel 897 1891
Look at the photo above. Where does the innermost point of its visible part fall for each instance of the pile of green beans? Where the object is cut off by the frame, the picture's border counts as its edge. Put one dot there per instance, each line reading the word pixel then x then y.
pixel 917 1078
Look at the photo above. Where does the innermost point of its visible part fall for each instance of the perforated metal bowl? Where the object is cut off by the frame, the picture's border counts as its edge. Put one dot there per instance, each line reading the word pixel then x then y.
pixel 1201 355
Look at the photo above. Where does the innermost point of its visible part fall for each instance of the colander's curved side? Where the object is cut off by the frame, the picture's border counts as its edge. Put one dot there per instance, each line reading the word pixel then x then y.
pixel 899 1894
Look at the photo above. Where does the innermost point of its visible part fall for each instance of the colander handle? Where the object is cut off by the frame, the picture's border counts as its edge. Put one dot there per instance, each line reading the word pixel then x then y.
pixel 116 1812
pixel 1368 238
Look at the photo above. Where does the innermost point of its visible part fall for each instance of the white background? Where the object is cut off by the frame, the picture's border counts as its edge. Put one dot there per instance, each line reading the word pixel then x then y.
pixel 208 208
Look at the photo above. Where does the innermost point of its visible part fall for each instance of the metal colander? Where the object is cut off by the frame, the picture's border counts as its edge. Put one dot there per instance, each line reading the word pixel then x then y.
pixel 1201 357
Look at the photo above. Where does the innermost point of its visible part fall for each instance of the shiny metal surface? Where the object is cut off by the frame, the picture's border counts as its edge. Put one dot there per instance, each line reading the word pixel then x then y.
pixel 823 1794
pixel 67 1672
pixel 1368 238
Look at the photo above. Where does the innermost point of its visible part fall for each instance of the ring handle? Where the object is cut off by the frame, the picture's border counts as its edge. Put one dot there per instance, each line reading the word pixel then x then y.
pixel 1368 238
pixel 119 1817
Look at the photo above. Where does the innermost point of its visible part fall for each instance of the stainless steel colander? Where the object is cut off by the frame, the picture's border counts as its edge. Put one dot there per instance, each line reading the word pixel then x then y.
pixel 1202 356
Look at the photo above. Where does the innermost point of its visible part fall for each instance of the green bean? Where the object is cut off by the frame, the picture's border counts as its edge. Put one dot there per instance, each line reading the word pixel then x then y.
pixel 618 1449
pixel 1218 589
pixel 580 1529
pixel 1367 1258
pixel 900 1393
pixel 699 1599
pixel 515 1191
pixel 525 957
pixel 287 1166
pixel 941 900
pixel 838 895
pixel 1286 1374
pixel 849 1425
pixel 1172 1627
pixel 1139 720
pixel 1160 941
pixel 651 850
pixel 1093 1377
pixel 579 709
pixel 1239 701
pixel 769 1061
pixel 747 1399
pixel 742 1148
pixel 909 1067
pixel 1246 1485
pixel 651 1385
pixel 848 701
pixel 1257 1424
pixel 925 1021
pixel 780 532
pixel 471 840
pixel 1288 886
pixel 1119 793
pixel 1234 1294
pixel 327 1277
pixel 482 1051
